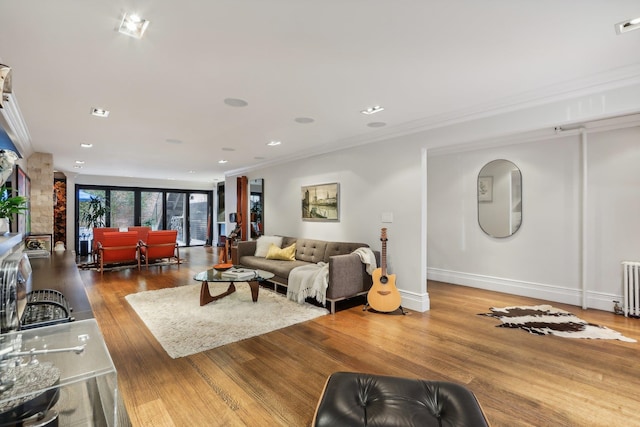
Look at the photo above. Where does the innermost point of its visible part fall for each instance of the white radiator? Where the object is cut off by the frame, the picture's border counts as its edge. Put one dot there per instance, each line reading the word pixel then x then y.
pixel 631 285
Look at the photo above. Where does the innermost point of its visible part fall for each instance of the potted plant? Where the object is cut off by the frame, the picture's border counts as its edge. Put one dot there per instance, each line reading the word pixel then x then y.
pixel 94 213
pixel 10 205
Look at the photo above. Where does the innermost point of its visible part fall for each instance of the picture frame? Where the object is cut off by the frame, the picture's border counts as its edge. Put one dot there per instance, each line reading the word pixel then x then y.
pixel 485 189
pixel 38 242
pixel 321 202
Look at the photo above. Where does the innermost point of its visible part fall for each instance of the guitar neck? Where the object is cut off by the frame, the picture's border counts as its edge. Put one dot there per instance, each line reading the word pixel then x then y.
pixel 383 258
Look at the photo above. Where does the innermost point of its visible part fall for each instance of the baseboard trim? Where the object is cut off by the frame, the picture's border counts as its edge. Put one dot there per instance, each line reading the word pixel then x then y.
pixel 414 301
pixel 596 300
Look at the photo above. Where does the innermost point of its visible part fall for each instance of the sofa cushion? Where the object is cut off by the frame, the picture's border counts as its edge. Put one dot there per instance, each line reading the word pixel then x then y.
pixel 284 254
pixel 264 242
pixel 310 250
pixel 341 248
pixel 278 267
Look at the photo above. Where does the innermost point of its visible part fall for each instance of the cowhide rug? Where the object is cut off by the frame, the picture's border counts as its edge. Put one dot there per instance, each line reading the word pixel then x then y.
pixel 545 320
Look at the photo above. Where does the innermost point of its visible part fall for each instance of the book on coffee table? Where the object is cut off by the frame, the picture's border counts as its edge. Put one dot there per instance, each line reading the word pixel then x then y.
pixel 238 274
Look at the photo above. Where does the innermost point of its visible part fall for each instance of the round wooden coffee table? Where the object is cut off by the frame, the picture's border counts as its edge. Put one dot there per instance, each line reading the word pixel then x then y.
pixel 213 275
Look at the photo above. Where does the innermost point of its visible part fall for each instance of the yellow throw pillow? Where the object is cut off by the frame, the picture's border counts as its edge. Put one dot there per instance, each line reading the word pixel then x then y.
pixel 285 254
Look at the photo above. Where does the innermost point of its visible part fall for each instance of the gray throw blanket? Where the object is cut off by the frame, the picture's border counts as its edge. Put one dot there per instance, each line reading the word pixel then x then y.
pixel 308 281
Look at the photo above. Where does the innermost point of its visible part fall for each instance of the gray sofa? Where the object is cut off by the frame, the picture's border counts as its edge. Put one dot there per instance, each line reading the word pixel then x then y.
pixel 347 274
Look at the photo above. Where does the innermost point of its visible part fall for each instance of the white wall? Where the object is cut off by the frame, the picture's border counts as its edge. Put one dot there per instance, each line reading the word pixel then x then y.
pixel 543 259
pixel 374 179
pixel 613 207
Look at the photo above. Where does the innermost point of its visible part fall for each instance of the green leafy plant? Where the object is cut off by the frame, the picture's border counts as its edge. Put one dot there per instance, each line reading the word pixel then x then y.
pixel 11 205
pixel 94 213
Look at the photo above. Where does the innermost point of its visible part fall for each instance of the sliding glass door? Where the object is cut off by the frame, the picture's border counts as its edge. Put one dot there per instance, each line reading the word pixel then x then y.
pixel 122 209
pixel 151 209
pixel 176 214
pixel 198 219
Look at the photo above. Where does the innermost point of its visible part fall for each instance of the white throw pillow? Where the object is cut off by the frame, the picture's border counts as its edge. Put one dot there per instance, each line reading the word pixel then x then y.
pixel 263 243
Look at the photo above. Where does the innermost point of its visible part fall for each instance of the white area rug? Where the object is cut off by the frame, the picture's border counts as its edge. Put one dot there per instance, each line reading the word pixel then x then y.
pixel 182 327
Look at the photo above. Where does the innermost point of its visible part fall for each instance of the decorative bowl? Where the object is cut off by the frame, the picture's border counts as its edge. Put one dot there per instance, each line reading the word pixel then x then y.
pixel 222 267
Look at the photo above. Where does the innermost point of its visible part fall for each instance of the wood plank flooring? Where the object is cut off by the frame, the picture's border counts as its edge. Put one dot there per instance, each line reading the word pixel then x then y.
pixel 276 379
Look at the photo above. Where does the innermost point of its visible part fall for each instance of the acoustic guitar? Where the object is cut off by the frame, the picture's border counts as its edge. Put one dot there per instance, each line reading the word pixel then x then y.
pixel 383 295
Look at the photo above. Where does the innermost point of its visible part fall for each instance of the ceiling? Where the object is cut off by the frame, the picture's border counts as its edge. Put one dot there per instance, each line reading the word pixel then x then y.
pixel 424 61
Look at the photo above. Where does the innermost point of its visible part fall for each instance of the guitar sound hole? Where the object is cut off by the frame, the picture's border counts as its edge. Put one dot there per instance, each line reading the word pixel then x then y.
pixel 384 279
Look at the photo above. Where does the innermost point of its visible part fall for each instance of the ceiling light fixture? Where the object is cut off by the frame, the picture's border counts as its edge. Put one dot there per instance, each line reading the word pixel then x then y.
pixel 79 162
pixel 133 25
pixel 274 143
pixel 376 124
pixel 372 110
pixel 99 112
pixel 304 120
pixel 222 162
pixel 628 25
pixel 235 102
pixel 85 145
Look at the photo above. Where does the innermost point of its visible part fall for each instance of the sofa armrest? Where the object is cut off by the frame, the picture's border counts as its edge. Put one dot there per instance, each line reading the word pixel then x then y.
pixel 347 276
pixel 246 247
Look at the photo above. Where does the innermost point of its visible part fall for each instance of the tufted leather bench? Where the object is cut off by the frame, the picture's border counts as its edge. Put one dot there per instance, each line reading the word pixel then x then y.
pixel 355 399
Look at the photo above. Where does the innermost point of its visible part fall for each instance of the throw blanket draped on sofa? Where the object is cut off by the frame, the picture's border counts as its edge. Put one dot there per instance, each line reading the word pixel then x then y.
pixel 311 281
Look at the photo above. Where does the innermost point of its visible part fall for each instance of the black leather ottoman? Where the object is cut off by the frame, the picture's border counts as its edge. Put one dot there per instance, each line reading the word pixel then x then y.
pixel 354 399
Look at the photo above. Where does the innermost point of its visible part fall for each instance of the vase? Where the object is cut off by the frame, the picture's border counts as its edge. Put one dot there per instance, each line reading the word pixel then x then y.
pixel 4 225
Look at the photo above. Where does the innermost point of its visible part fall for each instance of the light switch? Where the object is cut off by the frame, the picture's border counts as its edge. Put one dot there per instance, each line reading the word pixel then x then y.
pixel 387 217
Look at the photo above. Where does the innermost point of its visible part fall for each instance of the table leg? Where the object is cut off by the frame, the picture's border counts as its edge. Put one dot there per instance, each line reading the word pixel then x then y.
pixel 206 297
pixel 255 288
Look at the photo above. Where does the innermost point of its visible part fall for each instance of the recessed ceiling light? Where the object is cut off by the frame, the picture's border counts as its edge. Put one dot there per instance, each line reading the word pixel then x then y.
pixel 79 162
pixel 372 110
pixel 376 124
pixel 99 112
pixel 626 26
pixel 274 143
pixel 133 25
pixel 191 172
pixel 77 167
pixel 228 149
pixel 234 102
pixel 222 162
pixel 304 120
pixel 85 145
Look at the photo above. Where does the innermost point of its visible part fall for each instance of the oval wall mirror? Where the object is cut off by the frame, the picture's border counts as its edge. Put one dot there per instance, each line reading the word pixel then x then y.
pixel 500 198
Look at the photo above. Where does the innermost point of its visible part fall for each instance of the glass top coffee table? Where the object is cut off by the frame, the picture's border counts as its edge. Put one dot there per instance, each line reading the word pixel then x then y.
pixel 253 278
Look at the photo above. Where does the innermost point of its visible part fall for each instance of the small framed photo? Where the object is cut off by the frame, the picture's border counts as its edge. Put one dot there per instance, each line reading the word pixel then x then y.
pixel 38 242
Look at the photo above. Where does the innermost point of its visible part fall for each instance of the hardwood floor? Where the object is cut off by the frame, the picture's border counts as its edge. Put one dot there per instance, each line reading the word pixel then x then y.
pixel 276 379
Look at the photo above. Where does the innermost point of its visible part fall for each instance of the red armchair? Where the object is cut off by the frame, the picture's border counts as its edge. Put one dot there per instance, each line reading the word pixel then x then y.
pixel 143 231
pixel 118 247
pixel 98 235
pixel 160 244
